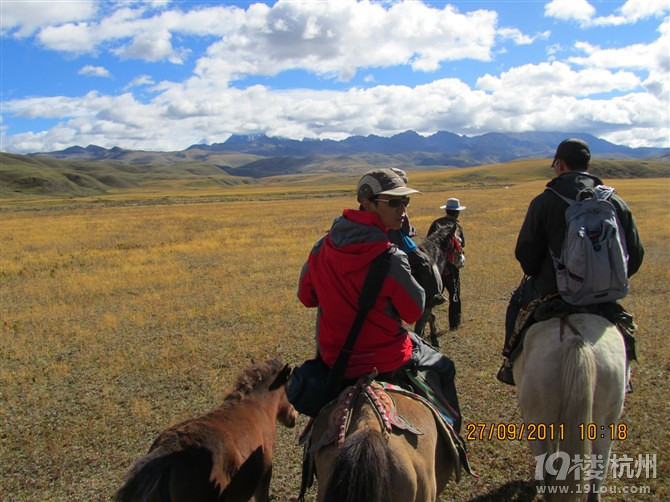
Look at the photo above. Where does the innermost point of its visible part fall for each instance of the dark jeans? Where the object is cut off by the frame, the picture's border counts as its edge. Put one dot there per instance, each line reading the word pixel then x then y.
pixel 426 357
pixel 522 296
pixel 452 282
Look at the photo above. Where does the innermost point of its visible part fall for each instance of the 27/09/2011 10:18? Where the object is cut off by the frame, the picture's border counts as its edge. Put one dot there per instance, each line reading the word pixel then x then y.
pixel 591 432
pixel 543 432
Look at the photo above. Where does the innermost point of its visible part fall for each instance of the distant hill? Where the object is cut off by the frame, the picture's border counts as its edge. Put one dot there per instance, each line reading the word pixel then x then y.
pixel 43 175
pixel 92 170
pixel 463 150
pixel 39 176
pixel 260 155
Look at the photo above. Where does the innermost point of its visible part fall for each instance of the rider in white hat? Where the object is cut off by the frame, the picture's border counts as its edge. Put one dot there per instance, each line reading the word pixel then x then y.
pixel 451 274
pixel 453 204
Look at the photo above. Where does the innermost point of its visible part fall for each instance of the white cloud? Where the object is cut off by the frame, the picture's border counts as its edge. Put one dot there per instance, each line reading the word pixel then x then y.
pixel 94 71
pixel 23 18
pixel 532 97
pixel 76 38
pixel 519 38
pixel 555 79
pixel 653 58
pixel 614 93
pixel 326 38
pixel 578 10
pixel 633 11
pixel 583 12
pixel 642 9
pixel 323 37
pixel 153 46
pixel 140 81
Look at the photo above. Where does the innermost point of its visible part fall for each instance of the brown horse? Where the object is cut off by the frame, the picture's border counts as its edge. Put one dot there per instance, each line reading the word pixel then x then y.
pixel 376 463
pixel 225 454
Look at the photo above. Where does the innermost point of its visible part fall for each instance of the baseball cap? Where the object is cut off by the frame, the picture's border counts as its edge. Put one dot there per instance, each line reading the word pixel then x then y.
pixel 382 182
pixel 574 151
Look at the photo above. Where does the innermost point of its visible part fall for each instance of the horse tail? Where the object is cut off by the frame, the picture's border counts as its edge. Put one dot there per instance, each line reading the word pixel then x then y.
pixel 361 470
pixel 578 381
pixel 148 476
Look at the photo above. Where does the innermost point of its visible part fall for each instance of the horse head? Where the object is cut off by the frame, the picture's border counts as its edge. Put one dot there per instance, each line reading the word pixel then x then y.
pixel 438 244
pixel 286 413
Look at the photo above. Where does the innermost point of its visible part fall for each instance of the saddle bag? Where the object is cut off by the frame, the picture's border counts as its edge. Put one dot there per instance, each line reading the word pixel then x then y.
pixel 306 390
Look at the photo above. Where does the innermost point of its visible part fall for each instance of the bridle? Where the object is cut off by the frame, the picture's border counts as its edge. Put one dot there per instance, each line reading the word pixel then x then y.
pixel 425 239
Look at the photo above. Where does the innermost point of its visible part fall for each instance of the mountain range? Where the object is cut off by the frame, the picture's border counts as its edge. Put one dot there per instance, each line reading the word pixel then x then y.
pixel 262 160
pixel 260 155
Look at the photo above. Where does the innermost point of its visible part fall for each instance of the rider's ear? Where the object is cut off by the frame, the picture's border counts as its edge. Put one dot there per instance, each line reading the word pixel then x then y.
pixel 367 204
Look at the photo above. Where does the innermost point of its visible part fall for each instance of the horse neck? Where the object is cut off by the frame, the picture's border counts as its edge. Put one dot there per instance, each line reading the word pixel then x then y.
pixel 259 398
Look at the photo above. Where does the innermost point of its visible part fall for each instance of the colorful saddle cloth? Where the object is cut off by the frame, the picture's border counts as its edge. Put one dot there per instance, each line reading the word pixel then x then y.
pixel 380 397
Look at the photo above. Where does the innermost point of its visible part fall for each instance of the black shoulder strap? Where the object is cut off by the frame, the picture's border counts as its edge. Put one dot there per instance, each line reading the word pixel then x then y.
pixel 566 199
pixel 369 293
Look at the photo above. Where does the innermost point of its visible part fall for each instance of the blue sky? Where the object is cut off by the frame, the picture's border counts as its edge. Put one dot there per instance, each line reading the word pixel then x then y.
pixel 164 75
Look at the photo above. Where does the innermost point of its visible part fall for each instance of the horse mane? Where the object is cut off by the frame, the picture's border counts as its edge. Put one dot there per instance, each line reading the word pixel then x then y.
pixel 254 378
pixel 438 242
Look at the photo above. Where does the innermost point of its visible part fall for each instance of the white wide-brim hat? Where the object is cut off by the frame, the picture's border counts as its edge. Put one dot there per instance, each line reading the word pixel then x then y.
pixel 453 204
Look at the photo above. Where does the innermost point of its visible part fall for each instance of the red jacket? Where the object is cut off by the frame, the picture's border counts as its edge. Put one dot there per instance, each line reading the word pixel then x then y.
pixel 332 280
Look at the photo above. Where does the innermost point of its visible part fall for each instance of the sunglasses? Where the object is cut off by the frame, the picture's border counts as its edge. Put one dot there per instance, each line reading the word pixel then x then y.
pixel 396 202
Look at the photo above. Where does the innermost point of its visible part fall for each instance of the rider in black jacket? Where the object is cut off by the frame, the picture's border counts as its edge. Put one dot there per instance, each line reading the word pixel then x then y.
pixel 544 229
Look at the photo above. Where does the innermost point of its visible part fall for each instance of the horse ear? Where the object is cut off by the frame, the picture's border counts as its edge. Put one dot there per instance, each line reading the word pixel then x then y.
pixel 281 378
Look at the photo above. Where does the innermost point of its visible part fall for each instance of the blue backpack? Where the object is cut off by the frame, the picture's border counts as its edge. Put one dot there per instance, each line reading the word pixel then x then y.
pixel 593 265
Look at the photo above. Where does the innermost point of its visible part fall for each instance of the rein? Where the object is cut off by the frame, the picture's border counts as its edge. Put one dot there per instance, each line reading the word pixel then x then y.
pixel 565 321
pixel 425 239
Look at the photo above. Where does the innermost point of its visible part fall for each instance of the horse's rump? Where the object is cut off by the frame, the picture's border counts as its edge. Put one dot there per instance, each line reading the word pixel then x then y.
pixel 223 454
pixel 571 375
pixel 361 469
pixel 416 460
pixel 161 470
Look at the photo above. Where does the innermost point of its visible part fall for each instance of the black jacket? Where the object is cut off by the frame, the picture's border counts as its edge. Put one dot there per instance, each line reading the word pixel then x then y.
pixel 544 228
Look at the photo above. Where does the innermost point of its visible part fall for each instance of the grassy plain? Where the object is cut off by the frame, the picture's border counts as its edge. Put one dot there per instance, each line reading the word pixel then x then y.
pixel 121 318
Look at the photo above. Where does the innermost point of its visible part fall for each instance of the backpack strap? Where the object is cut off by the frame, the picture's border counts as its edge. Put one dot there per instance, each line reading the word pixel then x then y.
pixel 566 199
pixel 603 192
pixel 600 192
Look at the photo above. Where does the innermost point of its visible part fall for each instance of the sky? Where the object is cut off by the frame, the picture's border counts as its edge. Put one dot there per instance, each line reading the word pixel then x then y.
pixel 163 75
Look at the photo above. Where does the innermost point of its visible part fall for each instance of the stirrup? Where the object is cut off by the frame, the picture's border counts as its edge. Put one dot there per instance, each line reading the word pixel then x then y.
pixel 505 374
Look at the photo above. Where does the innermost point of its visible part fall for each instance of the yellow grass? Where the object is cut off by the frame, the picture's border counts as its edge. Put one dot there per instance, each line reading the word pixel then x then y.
pixel 117 321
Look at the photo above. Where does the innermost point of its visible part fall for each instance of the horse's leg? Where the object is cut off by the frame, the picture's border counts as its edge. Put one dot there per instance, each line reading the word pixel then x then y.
pixel 262 493
pixel 420 325
pixel 189 477
pixel 433 330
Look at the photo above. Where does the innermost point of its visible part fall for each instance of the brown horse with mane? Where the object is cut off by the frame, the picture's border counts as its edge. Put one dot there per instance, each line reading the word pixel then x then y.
pixel 224 455
pixel 379 463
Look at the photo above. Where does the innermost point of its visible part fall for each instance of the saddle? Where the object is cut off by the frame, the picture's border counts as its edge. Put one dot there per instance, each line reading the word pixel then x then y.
pixel 380 396
pixel 549 306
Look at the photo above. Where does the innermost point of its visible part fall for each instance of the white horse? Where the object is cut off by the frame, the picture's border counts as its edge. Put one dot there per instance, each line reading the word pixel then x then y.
pixel 571 378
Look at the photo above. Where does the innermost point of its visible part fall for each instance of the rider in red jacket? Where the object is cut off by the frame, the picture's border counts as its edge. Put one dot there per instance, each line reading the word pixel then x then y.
pixel 333 277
